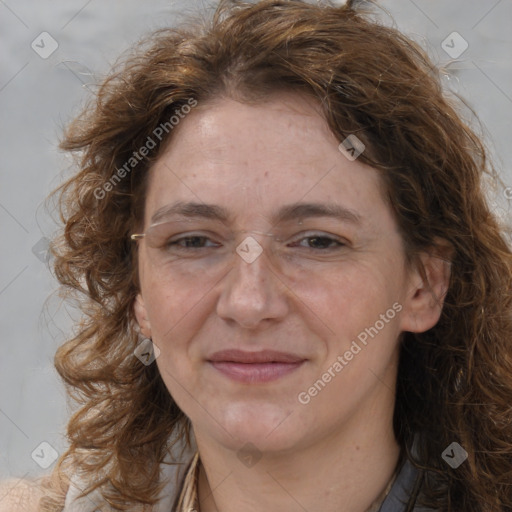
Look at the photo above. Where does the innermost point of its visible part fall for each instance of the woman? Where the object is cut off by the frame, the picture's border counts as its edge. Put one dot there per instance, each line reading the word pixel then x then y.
pixel 295 296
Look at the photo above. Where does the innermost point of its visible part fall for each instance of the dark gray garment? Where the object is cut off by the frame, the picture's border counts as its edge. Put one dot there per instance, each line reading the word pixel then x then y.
pixel 403 495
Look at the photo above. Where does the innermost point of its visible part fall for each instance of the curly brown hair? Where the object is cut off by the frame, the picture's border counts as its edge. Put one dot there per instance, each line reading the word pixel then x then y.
pixel 454 381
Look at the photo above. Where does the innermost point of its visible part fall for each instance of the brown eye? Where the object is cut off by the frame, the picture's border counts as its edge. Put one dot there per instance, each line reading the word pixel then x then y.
pixel 320 242
pixel 189 242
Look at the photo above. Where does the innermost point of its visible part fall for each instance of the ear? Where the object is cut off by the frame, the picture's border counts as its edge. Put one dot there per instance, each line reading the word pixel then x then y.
pixel 429 281
pixel 142 316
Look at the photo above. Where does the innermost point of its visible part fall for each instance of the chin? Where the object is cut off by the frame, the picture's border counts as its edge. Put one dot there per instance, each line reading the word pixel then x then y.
pixel 269 427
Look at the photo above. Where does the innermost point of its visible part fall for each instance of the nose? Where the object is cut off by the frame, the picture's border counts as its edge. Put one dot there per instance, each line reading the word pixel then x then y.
pixel 252 292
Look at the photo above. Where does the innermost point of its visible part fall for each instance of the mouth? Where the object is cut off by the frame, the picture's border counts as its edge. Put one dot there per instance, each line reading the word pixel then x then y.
pixel 252 367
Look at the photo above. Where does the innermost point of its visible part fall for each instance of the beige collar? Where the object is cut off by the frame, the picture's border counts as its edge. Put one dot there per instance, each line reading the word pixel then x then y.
pixel 189 497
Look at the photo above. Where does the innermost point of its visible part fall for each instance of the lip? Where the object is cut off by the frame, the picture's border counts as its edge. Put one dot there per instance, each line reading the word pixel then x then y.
pixel 252 367
pixel 261 356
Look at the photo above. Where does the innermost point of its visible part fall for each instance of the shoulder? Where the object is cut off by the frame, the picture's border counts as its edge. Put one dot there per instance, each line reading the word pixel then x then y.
pixel 17 494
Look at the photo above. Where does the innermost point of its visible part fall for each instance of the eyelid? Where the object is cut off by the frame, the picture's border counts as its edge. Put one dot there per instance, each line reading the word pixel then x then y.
pixel 321 234
pixel 338 241
pixel 305 234
pixel 181 236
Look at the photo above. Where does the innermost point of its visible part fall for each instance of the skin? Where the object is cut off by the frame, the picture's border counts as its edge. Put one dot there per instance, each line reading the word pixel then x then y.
pixel 338 452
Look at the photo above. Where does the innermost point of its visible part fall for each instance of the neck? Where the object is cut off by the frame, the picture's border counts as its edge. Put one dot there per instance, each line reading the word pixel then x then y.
pixel 346 471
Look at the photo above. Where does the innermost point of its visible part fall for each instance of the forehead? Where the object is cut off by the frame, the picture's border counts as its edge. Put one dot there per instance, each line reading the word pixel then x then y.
pixel 253 158
pixel 243 134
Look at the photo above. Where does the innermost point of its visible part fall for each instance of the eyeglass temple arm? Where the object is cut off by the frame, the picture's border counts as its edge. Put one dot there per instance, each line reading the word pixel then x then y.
pixel 140 236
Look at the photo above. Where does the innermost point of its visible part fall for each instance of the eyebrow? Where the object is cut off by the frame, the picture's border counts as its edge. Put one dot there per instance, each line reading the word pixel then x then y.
pixel 284 214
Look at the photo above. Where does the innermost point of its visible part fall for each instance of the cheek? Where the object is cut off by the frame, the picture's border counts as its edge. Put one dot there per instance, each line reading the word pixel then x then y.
pixel 176 310
pixel 170 297
pixel 359 309
pixel 352 296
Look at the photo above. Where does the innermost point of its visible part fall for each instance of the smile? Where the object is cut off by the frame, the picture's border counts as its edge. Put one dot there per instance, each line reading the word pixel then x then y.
pixel 252 367
pixel 255 372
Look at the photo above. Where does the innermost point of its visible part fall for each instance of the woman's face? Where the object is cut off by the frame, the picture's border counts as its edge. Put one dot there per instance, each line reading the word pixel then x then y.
pixel 275 340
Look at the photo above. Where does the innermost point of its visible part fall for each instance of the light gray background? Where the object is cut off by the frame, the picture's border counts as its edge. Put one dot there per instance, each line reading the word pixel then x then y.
pixel 40 95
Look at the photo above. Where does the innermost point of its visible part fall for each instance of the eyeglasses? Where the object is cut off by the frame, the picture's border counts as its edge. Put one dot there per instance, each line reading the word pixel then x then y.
pixel 178 243
pixel 153 232
pixel 171 243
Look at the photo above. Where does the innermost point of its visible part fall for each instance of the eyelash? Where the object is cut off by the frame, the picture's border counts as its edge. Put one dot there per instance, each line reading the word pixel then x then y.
pixel 330 239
